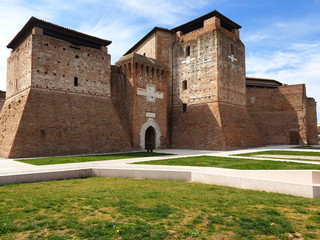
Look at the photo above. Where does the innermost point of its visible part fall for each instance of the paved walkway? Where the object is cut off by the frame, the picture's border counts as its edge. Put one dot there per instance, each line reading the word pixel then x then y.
pixel 9 166
pixel 304 183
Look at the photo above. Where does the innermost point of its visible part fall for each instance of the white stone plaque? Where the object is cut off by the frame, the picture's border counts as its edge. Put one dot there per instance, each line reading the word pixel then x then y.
pixel 151 90
pixel 159 95
pixel 141 91
pixel 150 115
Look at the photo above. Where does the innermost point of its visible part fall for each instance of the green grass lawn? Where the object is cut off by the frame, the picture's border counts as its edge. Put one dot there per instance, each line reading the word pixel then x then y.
pixel 114 208
pixel 308 147
pixel 233 163
pixel 76 159
pixel 281 152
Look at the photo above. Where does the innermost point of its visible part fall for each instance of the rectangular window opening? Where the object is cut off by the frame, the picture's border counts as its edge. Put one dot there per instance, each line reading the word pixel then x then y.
pixel 184 107
pixel 184 85
pixel 75 81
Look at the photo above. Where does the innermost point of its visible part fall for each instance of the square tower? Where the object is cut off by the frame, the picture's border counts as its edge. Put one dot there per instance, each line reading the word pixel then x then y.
pixel 209 86
pixel 58 98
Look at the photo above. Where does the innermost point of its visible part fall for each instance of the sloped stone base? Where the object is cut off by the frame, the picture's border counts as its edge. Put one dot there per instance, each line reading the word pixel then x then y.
pixel 41 122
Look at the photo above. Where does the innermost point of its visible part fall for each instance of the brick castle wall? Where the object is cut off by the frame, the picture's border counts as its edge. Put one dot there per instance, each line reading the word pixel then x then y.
pixel 70 124
pixel 139 73
pixel 277 112
pixel 19 66
pixel 311 117
pixel 56 64
pixel 47 113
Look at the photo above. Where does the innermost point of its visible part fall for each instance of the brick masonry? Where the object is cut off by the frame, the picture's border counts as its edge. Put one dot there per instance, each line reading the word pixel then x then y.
pixel 188 84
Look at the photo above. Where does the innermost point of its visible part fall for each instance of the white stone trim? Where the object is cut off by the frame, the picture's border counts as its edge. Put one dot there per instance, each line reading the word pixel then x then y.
pixel 148 123
pixel 150 115
pixel 141 91
pixel 233 59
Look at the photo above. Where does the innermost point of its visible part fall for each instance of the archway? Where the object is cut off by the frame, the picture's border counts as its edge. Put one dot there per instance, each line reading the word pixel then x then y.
pixel 150 139
pixel 157 135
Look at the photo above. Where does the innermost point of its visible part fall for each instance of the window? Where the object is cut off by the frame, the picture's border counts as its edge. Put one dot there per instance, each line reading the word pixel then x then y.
pixel 184 107
pixel 232 49
pixel 76 56
pixel 129 68
pixel 188 50
pixel 184 85
pixel 75 81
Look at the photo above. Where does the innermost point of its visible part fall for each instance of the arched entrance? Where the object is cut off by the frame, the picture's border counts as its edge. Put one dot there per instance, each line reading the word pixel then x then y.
pixel 150 139
pixel 157 133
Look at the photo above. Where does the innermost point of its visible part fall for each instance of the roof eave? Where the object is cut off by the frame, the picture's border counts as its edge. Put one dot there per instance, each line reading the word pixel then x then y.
pixel 34 22
pixel 214 13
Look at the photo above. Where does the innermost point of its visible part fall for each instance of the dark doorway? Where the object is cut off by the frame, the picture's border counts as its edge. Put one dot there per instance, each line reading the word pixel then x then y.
pixel 150 139
pixel 294 138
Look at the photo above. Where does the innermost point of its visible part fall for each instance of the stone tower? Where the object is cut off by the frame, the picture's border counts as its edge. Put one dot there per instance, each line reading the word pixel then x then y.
pixel 140 93
pixel 209 85
pixel 58 97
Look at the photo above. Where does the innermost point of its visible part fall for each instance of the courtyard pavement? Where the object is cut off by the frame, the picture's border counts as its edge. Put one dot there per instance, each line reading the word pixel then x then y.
pixel 304 183
pixel 10 166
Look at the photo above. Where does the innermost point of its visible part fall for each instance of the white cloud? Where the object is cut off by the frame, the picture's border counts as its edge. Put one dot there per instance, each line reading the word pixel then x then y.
pixel 298 64
pixel 167 12
pixel 256 37
pixel 123 37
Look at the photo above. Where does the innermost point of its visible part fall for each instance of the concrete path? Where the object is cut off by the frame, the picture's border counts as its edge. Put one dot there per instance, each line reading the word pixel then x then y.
pixel 296 182
pixel 9 166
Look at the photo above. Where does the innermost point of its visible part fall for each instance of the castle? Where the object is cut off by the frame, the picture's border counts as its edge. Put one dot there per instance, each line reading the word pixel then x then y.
pixel 179 88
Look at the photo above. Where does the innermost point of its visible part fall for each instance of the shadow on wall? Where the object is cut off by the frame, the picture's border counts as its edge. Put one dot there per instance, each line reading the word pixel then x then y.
pixel 213 126
pixel 70 124
pixel 121 92
pixel 274 116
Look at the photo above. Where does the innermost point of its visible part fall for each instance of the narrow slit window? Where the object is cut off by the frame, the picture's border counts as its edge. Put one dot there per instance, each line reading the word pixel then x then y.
pixel 232 49
pixel 184 85
pixel 75 82
pixel 184 107
pixel 188 51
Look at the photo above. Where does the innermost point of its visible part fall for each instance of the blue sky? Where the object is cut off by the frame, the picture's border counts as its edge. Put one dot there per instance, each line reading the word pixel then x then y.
pixel 282 37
